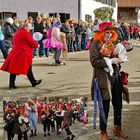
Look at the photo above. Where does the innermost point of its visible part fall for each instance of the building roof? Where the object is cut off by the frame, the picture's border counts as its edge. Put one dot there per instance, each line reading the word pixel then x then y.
pixel 129 3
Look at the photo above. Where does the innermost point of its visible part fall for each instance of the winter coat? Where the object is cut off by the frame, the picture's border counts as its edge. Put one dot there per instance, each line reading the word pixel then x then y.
pixel 20 58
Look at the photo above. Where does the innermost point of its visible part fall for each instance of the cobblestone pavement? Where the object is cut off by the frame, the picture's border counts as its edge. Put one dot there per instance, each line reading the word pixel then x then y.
pixel 74 79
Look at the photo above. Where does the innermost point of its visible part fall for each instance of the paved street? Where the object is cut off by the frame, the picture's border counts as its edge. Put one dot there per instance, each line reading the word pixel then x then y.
pixel 74 79
pixel 131 112
pixel 68 80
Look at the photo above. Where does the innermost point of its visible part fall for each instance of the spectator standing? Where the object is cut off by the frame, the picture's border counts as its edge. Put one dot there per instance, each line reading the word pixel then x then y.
pixel 2 45
pixel 8 32
pixel 67 30
pixel 78 32
pixel 43 29
pixel 37 25
pixel 15 24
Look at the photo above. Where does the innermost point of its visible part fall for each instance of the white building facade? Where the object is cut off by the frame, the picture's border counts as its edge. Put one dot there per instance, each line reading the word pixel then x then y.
pixel 75 9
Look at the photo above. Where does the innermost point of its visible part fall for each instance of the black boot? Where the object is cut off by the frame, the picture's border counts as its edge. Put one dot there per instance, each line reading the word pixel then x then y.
pixel 35 134
pixel 72 136
pixel 32 134
pixel 32 79
pixel 37 82
pixel 58 62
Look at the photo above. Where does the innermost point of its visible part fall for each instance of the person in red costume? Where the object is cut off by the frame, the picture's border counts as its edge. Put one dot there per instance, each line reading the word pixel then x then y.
pixel 19 60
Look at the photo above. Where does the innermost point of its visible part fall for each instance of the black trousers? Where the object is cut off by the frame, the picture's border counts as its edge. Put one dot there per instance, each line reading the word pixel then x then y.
pixel 106 105
pixel 59 120
pixel 58 125
pixel 47 125
pixel 52 125
pixel 24 134
pixel 68 131
pixel 10 135
pixel 116 102
pixel 29 75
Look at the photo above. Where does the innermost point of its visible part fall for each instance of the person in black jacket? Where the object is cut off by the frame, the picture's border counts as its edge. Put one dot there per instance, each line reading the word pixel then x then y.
pixel 9 122
pixel 43 29
pixel 21 125
pixel 123 32
pixel 78 32
pixel 37 25
pixel 8 32
pixel 46 120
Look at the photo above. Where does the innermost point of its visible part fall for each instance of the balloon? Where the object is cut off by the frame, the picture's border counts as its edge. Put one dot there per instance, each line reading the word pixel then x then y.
pixel 37 36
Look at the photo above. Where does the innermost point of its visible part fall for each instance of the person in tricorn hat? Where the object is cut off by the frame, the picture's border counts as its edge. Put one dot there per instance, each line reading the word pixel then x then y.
pixel 102 46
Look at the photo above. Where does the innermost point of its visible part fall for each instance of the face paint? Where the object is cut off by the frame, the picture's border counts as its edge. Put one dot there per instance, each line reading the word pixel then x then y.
pixel 107 36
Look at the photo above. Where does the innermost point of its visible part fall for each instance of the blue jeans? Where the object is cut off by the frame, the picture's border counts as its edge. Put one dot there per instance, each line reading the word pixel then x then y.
pixel 42 50
pixel 78 42
pixel 69 45
pixel 83 42
pixel 3 49
pixel 35 52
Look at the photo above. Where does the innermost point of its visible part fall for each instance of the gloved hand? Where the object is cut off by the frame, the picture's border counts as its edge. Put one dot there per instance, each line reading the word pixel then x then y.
pixel 109 64
pixel 115 61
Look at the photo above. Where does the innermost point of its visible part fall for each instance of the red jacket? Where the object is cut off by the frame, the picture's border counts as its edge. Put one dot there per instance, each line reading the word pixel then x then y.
pixel 20 58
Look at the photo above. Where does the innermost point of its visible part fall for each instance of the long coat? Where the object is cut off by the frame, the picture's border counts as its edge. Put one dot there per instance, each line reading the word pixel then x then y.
pixel 98 64
pixel 20 58
pixel 67 122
